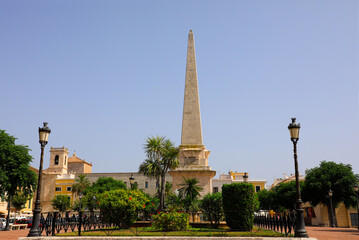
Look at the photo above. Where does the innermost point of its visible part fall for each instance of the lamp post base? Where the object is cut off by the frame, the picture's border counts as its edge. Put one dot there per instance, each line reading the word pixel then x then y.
pixel 35 227
pixel 300 230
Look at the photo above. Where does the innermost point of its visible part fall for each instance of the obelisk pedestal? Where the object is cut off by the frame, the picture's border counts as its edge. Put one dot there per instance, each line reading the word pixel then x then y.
pixel 193 156
pixel 193 163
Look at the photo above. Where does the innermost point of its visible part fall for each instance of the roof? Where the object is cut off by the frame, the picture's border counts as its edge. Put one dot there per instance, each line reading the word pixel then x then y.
pixel 75 159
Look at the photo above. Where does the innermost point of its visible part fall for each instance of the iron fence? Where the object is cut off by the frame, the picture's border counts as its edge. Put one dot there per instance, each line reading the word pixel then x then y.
pixel 279 222
pixel 53 223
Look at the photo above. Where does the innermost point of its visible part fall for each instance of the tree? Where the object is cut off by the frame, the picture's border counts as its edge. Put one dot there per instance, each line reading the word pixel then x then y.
pixel 61 202
pixel 91 200
pixel 81 183
pixel 104 184
pixel 189 193
pixel 285 195
pixel 18 201
pixel 190 188
pixel 15 173
pixel 161 157
pixel 266 199
pixel 330 176
pixel 212 208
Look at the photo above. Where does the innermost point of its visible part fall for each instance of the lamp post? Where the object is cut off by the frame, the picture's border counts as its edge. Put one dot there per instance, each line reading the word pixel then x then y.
pixel 357 196
pixel 131 180
pixel 245 177
pixel 299 230
pixel 44 133
pixel 330 195
pixel 80 215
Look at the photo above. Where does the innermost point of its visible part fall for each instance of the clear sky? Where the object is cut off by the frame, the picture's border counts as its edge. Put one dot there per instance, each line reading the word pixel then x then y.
pixel 108 74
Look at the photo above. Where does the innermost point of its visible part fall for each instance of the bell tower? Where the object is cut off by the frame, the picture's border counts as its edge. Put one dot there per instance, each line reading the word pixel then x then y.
pixel 58 160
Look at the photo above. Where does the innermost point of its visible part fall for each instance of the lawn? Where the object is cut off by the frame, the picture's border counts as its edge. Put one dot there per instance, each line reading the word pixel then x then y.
pixel 203 232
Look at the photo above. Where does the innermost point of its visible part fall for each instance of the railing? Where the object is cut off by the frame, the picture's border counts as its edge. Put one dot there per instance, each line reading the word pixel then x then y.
pixel 53 223
pixel 279 222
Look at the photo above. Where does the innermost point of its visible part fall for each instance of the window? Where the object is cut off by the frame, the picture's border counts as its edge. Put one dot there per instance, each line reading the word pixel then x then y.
pixel 354 219
pixel 146 184
pixel 157 185
pixel 57 160
pixel 58 189
pixel 69 189
pixel 65 160
pixel 215 189
pixel 30 200
pixel 258 188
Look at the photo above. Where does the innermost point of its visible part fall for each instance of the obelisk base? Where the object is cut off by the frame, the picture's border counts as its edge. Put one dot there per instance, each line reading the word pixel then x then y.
pixel 203 176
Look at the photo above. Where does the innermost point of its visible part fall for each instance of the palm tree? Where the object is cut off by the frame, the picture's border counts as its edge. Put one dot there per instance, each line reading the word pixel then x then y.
pixel 81 183
pixel 189 192
pixel 161 157
pixel 150 168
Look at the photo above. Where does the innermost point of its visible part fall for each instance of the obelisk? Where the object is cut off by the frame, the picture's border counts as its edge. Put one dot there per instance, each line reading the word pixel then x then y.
pixel 193 156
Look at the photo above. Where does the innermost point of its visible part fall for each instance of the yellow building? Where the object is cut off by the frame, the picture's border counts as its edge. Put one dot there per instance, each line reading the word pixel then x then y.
pixel 64 184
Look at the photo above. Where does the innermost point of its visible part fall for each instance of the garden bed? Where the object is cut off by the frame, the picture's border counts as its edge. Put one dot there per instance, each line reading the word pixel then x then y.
pixel 193 232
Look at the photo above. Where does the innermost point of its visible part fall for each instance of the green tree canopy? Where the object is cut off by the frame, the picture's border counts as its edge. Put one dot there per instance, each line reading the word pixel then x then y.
pixel 161 156
pixel 280 198
pixel 61 202
pixel 104 184
pixel 15 173
pixel 18 201
pixel 285 195
pixel 266 199
pixel 337 177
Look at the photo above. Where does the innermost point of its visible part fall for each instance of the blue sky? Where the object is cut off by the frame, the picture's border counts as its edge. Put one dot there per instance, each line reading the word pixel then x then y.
pixel 108 74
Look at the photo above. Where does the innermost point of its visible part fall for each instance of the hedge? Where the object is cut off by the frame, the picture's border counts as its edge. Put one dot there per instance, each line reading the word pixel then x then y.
pixel 238 205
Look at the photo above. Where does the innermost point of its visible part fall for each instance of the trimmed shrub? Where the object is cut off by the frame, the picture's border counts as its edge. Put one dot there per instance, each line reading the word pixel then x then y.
pixel 171 221
pixel 238 205
pixel 212 210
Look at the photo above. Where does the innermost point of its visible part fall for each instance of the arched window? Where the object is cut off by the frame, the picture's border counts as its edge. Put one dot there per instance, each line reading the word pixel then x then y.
pixel 65 160
pixel 57 160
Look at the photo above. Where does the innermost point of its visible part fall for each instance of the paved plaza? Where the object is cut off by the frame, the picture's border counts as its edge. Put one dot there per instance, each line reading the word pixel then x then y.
pixel 320 233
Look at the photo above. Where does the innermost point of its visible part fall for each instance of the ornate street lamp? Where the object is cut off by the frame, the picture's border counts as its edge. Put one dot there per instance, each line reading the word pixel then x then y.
pixel 245 177
pixel 357 196
pixel 131 180
pixel 330 196
pixel 299 230
pixel 44 133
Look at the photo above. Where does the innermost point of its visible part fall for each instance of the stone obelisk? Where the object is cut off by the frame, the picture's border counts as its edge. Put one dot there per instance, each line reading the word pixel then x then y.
pixel 193 156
